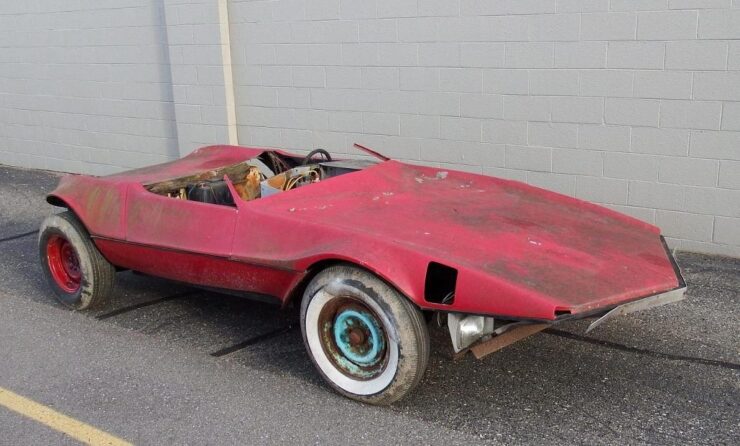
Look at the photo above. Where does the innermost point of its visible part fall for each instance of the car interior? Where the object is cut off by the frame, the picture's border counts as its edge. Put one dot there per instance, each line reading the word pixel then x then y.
pixel 267 174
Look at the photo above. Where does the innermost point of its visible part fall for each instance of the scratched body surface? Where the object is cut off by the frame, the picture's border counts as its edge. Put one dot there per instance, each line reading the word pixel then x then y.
pixel 520 251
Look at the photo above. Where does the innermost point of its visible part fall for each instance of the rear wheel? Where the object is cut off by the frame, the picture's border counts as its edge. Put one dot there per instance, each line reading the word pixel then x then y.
pixel 366 339
pixel 78 274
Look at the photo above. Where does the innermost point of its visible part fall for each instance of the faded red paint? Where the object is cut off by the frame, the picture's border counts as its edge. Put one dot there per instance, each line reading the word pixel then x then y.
pixel 217 272
pixel 520 251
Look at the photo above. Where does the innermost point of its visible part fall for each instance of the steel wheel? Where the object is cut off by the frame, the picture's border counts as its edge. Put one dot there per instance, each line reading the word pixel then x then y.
pixel 369 342
pixel 353 337
pixel 64 263
pixel 78 274
pixel 352 343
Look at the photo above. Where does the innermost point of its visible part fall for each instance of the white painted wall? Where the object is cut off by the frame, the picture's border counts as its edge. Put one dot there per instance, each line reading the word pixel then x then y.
pixel 84 85
pixel 630 103
pixel 197 37
pixel 634 104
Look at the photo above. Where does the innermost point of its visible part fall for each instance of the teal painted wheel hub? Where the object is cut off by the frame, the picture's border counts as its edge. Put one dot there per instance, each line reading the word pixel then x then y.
pixel 358 337
pixel 354 338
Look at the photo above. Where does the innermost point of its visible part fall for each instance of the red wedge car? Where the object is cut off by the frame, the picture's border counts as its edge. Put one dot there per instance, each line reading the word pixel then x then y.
pixel 369 250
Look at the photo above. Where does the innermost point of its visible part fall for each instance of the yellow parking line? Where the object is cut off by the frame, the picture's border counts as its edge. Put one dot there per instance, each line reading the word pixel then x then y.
pixel 47 416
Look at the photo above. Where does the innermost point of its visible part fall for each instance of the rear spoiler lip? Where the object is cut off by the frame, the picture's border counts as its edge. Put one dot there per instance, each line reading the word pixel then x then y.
pixel 596 312
pixel 656 300
pixel 604 310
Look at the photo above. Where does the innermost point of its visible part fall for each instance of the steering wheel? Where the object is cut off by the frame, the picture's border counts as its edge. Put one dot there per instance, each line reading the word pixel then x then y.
pixel 314 152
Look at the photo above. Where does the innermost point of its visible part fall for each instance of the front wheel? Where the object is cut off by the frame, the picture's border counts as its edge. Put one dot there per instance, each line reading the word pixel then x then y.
pixel 79 275
pixel 367 340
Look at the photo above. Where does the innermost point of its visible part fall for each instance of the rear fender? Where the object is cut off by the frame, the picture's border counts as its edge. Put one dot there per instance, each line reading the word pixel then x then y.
pixel 404 273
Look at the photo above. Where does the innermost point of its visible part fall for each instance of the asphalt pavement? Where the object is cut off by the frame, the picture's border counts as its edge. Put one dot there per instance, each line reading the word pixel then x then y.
pixel 169 364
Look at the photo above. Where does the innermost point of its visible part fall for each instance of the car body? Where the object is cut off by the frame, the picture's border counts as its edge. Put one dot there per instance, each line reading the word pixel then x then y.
pixel 450 242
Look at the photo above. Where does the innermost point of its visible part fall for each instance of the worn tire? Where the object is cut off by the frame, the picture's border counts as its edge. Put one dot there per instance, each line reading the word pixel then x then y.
pixel 368 341
pixel 79 275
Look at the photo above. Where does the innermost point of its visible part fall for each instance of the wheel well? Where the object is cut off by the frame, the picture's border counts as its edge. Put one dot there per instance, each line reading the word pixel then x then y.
pixel 59 202
pixel 296 295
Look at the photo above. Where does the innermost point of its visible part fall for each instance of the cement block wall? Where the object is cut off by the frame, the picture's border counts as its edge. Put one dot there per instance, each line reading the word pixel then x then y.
pixel 85 86
pixel 634 104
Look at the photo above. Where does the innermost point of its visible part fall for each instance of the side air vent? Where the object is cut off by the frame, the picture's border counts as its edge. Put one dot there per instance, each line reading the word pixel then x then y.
pixel 439 287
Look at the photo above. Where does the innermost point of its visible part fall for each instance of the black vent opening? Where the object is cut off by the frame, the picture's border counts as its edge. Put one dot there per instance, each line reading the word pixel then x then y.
pixel 439 287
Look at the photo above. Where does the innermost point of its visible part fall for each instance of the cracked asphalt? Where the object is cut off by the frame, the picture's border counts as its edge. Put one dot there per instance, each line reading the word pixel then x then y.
pixel 168 364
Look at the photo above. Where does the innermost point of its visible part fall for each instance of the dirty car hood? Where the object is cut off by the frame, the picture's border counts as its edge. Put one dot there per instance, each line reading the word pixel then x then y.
pixel 577 255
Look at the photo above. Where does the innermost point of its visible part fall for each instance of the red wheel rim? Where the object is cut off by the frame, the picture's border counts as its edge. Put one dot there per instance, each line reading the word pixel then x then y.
pixel 64 264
